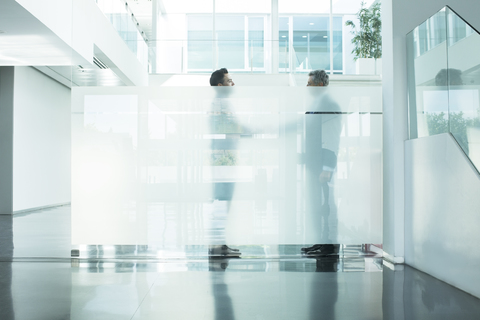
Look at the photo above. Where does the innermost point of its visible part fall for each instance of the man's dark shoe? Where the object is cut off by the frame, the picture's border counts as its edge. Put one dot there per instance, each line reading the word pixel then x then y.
pixel 314 247
pixel 324 250
pixel 222 251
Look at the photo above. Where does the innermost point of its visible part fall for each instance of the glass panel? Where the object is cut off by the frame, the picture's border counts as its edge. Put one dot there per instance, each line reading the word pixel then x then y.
pixel 428 90
pixel 200 44
pixel 284 44
pixel 256 37
pixel 177 22
pixel 230 44
pixel 122 19
pixel 199 165
pixel 444 81
pixel 310 42
pixel 337 45
pixel 238 43
pixel 463 80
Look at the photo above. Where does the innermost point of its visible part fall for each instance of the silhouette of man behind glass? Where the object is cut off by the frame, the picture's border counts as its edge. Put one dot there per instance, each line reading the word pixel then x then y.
pixel 222 121
pixel 320 163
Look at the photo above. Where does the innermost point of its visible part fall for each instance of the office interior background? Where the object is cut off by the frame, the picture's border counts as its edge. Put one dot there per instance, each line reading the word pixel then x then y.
pixel 106 148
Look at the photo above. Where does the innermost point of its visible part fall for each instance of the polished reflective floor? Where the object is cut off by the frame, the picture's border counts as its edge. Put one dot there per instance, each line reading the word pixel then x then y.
pixel 39 280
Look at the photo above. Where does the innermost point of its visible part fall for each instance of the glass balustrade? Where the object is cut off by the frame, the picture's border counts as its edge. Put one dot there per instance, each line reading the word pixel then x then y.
pixel 120 17
pixel 174 166
pixel 201 36
pixel 444 82
pixel 204 56
pixel 240 56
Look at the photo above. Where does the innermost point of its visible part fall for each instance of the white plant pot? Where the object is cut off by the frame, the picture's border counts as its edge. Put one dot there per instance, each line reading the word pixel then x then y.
pixel 369 66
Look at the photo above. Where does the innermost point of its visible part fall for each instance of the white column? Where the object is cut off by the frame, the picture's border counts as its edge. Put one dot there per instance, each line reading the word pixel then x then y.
pixel 394 134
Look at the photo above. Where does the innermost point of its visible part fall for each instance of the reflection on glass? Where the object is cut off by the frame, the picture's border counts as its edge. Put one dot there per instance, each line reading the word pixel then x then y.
pixel 463 86
pixel 429 90
pixel 444 85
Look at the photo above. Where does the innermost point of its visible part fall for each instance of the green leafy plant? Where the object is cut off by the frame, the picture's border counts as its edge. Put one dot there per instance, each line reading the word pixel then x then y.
pixel 455 122
pixel 368 36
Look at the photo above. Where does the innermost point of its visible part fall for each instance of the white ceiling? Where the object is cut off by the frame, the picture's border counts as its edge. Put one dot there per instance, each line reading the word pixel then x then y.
pixel 25 41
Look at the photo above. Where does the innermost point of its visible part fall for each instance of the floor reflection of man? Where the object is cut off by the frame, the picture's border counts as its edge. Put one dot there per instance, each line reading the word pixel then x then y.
pixel 223 306
pixel 322 134
pixel 222 121
pixel 324 297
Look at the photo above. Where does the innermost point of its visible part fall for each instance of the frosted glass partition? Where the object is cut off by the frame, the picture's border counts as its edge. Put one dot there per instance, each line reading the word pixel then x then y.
pixel 444 81
pixel 246 165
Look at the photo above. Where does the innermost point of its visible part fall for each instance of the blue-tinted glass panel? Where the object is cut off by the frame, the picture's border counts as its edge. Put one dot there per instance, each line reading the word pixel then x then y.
pixel 437 29
pixel 256 42
pixel 427 73
pixel 310 42
pixel 230 46
pixel 283 44
pixel 337 43
pixel 463 91
pixel 200 46
pixel 444 80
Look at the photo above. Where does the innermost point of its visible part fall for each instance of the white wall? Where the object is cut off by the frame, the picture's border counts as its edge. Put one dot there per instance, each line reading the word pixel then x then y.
pixel 41 170
pixel 442 211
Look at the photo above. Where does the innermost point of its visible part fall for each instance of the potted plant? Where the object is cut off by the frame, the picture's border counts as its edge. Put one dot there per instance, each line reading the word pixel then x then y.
pixel 367 38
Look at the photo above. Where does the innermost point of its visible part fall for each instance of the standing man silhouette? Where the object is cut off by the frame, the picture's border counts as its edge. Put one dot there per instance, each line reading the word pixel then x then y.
pixel 222 121
pixel 322 128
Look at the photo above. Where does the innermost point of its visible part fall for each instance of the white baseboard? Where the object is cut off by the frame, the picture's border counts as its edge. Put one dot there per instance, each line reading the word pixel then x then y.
pixel 42 207
pixel 393 259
